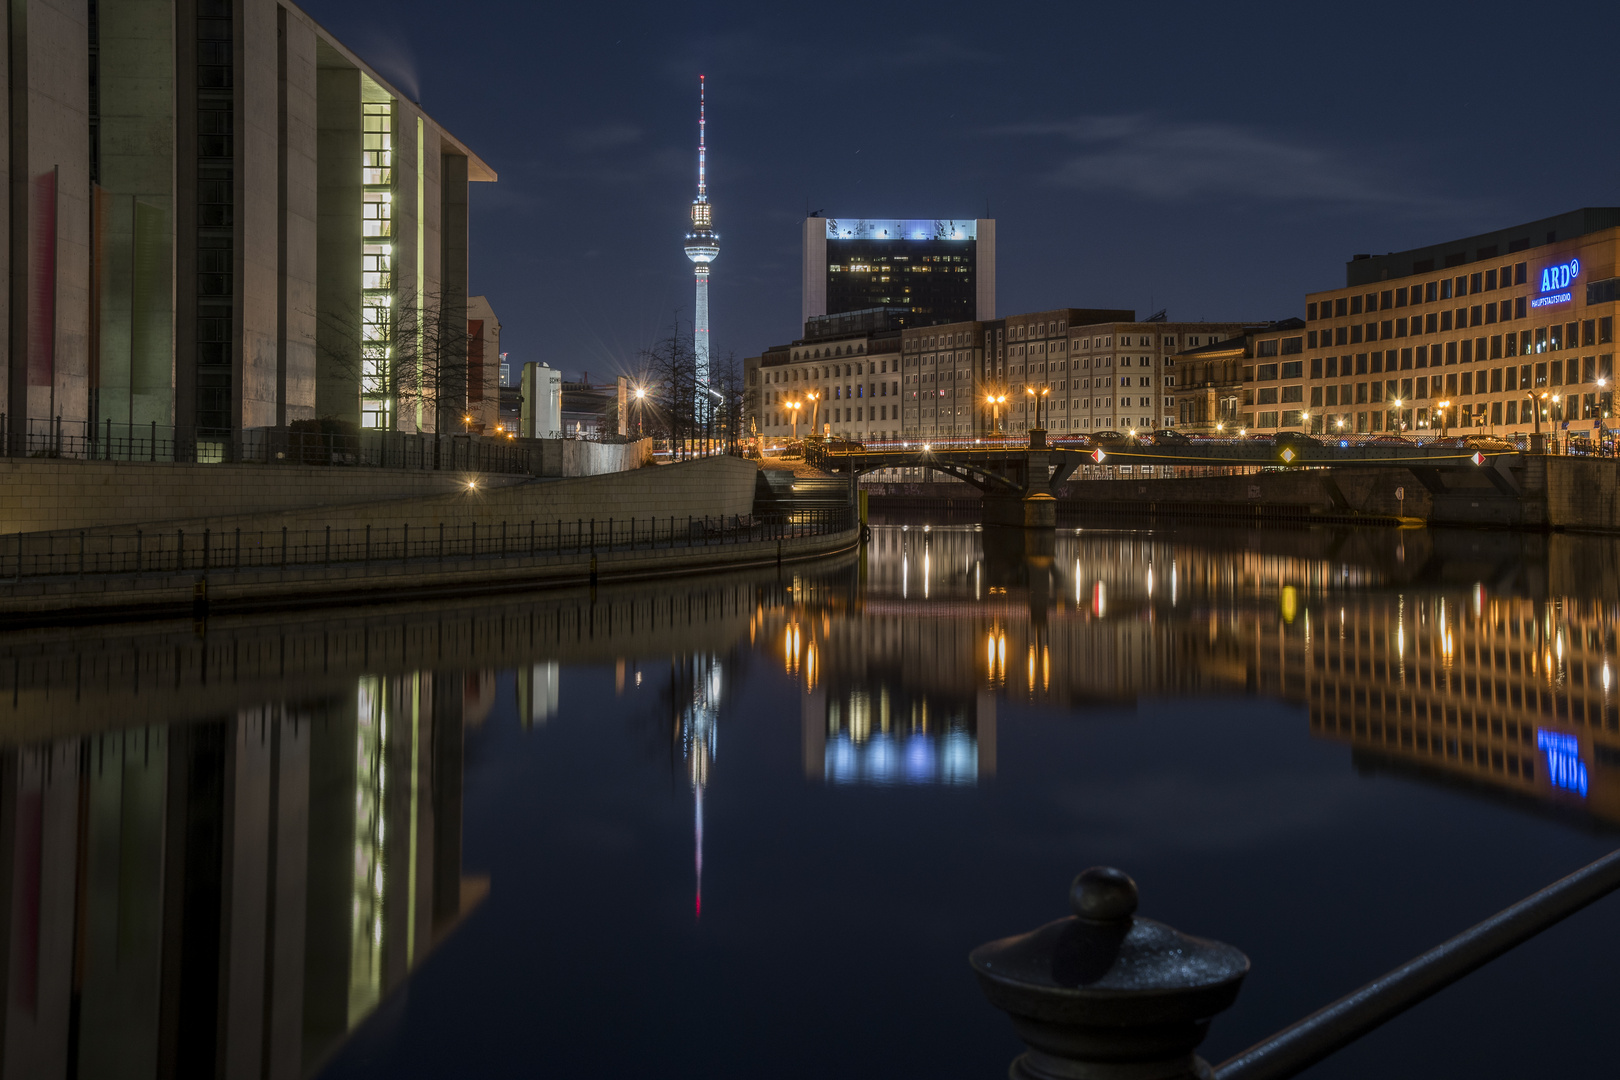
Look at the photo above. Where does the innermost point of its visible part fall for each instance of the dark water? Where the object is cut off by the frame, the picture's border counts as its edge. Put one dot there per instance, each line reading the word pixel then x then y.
pixel 751 825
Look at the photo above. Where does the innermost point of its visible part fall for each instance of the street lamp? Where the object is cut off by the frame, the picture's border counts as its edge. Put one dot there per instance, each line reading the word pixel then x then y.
pixel 1038 397
pixel 1440 410
pixel 795 406
pixel 641 398
pixel 995 401
pixel 813 399
pixel 1399 426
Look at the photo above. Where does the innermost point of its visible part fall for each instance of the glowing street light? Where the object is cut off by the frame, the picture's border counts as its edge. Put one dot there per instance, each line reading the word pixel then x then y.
pixel 995 401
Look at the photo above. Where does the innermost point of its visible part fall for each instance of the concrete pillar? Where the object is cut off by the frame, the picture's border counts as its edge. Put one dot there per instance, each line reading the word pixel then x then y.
pixel 338 241
pixel 134 236
pixel 49 262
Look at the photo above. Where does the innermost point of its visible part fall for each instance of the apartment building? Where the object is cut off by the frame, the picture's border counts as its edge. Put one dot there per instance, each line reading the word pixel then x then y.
pixel 1509 332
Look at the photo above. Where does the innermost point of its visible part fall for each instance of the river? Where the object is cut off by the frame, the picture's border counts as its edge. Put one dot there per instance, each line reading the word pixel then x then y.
pixel 751 824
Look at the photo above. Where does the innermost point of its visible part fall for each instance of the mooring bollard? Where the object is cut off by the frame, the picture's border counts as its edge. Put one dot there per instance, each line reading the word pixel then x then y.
pixel 1106 995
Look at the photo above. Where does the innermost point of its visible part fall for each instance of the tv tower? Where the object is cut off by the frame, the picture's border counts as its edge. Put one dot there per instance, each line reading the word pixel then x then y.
pixel 702 246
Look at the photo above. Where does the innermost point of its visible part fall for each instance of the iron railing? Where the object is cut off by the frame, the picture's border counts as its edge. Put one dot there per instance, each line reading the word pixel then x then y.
pixel 143 551
pixel 151 442
pixel 1296 1048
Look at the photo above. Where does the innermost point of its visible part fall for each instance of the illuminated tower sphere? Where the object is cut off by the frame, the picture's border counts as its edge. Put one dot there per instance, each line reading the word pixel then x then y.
pixel 702 246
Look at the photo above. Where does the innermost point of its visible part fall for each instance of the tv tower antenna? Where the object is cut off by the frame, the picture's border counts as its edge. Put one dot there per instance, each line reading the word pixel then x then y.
pixel 702 247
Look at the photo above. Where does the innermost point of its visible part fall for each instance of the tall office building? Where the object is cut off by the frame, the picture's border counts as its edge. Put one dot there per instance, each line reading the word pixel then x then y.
pixel 222 219
pixel 924 272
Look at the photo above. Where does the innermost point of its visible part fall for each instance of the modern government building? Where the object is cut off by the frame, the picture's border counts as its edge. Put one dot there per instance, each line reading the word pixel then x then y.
pixel 1509 332
pixel 222 219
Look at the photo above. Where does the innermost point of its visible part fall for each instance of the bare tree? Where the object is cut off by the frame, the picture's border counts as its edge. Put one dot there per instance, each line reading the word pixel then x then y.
pixel 726 378
pixel 411 354
pixel 671 365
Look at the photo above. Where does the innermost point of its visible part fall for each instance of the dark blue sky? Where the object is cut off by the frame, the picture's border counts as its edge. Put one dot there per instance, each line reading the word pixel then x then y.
pixel 1215 160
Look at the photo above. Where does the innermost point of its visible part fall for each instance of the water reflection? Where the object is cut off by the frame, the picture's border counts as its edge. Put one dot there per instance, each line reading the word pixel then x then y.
pixel 230 895
pixel 222 847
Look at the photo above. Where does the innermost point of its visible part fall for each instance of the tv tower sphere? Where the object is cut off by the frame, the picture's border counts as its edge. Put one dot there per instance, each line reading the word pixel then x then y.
pixel 702 247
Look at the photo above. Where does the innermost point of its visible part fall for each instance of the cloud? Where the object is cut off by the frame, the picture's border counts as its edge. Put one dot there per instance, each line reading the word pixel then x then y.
pixel 1177 162
pixel 605 137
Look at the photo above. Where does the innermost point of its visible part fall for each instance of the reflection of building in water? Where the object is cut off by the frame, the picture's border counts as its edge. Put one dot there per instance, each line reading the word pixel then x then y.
pixel 227 897
pixel 699 687
pixel 870 736
pixel 537 686
pixel 1513 694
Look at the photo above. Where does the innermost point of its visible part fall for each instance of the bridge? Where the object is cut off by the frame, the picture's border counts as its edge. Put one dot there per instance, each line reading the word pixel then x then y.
pixel 1018 479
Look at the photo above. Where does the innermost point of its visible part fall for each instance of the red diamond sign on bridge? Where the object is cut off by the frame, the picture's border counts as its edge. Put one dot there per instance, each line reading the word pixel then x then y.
pixel 1477 458
pixel 1097 455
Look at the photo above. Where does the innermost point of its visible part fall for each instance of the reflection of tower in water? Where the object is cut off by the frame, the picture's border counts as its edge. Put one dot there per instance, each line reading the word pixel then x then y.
pixel 698 683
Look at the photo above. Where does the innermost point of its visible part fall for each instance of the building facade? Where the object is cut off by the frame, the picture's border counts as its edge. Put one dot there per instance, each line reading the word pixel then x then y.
pixel 223 219
pixel 926 272
pixel 1509 332
pixel 1090 370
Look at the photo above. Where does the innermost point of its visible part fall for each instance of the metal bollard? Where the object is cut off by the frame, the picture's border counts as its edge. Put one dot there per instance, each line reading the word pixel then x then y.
pixel 1106 994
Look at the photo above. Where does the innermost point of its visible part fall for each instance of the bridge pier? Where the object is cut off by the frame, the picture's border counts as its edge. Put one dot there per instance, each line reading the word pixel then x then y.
pixel 1034 511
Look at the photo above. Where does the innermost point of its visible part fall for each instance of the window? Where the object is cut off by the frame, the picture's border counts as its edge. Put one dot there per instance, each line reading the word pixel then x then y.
pixel 1266 348
pixel 1268 395
pixel 1293 369
pixel 1292 345
pixel 1266 373
pixel 1293 393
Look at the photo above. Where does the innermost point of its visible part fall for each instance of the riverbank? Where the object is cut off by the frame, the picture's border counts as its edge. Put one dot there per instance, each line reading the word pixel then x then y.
pixel 71 598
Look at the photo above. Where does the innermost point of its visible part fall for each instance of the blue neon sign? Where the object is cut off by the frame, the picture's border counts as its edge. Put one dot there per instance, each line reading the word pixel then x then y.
pixel 1565 769
pixel 1554 280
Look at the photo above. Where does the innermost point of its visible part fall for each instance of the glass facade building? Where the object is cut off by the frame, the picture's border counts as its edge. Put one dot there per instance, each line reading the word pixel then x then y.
pixel 924 272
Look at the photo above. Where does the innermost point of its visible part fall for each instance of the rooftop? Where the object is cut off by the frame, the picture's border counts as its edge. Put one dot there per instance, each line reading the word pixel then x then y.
pixel 1368 269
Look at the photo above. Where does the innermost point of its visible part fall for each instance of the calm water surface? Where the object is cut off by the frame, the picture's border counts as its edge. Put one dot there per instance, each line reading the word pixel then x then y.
pixel 751 825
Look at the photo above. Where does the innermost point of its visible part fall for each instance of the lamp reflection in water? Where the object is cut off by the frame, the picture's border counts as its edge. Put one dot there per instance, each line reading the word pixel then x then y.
pixel 880 737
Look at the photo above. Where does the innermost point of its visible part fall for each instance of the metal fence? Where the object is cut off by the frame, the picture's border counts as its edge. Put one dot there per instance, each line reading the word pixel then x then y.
pixel 109 441
pixel 178 551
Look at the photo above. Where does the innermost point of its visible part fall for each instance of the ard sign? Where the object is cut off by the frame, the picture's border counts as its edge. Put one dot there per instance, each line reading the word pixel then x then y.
pixel 1555 283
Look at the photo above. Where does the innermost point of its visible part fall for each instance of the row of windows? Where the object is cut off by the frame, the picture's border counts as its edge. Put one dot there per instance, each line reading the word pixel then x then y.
pixel 1428 292
pixel 1592 331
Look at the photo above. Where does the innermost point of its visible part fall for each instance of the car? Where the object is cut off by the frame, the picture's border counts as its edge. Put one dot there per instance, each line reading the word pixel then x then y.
pixel 1295 438
pixel 1111 438
pixel 1387 440
pixel 1165 437
pixel 1486 442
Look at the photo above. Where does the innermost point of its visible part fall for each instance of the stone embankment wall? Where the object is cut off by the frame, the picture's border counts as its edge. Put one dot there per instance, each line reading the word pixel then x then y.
pixel 38 495
pixel 102 497
pixel 710 487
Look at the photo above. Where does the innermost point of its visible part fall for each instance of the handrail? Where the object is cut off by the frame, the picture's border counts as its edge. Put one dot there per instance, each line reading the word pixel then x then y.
pixel 91 552
pixel 1299 1046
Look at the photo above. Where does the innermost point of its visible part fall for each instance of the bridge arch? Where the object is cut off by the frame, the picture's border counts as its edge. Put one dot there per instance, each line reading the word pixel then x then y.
pixel 991 483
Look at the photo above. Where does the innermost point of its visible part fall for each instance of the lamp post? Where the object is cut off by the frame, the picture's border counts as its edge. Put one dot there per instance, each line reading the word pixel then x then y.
pixel 995 401
pixel 1441 411
pixel 814 407
pixel 794 407
pixel 1039 397
pixel 641 397
pixel 1399 426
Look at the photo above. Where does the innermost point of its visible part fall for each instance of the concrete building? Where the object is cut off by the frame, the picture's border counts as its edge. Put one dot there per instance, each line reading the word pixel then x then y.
pixel 941 382
pixel 222 219
pixel 542 402
pixel 1479 334
pixel 483 365
pixel 925 272
pixel 1214 382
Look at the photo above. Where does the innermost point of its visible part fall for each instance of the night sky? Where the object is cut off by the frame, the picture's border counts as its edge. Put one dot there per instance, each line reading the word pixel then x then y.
pixel 1214 160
